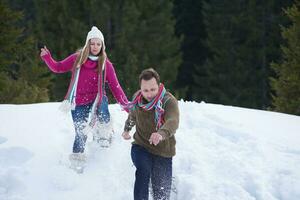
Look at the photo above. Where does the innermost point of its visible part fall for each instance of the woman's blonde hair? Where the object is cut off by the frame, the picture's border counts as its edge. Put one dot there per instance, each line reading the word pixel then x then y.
pixel 84 53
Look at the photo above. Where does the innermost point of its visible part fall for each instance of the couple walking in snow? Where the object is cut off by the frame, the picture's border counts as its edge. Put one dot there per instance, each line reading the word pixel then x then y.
pixel 153 111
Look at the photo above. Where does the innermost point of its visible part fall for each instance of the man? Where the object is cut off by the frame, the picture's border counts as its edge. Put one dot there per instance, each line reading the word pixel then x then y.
pixel 155 113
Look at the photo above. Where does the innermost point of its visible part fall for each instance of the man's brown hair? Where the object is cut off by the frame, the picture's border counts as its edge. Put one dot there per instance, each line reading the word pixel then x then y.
pixel 148 74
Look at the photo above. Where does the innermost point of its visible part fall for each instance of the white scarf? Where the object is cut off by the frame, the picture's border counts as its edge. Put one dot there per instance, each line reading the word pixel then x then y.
pixel 93 58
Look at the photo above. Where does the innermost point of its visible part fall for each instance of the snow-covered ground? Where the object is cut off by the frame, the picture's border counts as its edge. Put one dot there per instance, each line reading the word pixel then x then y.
pixel 223 153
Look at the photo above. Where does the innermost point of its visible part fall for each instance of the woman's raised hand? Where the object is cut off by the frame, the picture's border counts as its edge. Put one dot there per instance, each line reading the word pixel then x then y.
pixel 44 51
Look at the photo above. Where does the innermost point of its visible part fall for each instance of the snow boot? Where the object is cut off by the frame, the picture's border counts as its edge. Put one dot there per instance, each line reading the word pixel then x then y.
pixel 103 134
pixel 78 161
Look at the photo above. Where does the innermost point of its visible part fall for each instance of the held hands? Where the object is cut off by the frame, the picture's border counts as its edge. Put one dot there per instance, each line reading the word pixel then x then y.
pixel 44 51
pixel 126 135
pixel 155 138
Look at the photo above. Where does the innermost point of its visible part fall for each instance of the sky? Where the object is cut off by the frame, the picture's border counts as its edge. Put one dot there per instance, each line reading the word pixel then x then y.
pixel 222 153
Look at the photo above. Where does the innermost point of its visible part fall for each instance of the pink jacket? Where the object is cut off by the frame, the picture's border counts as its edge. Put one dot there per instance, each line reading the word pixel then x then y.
pixel 87 87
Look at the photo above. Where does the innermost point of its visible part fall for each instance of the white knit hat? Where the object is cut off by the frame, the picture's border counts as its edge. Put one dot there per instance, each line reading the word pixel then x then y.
pixel 94 33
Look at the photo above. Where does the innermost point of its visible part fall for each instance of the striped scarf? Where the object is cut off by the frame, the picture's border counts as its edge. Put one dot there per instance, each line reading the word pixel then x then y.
pixel 155 103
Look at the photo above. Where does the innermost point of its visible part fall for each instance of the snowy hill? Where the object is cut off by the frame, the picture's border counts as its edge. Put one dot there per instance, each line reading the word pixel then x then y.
pixel 223 153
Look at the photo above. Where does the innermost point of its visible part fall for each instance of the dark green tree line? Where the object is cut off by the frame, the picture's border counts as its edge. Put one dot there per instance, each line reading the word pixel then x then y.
pixel 242 41
pixel 137 35
pixel 287 82
pixel 211 50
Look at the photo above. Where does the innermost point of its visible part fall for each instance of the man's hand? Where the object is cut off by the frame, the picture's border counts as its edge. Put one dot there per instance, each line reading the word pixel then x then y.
pixel 155 138
pixel 126 135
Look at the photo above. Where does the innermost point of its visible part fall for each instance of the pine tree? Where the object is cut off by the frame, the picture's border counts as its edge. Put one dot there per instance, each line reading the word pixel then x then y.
pixel 190 26
pixel 145 37
pixel 22 79
pixel 241 38
pixel 158 40
pixel 287 83
pixel 227 68
pixel 61 26
pixel 124 44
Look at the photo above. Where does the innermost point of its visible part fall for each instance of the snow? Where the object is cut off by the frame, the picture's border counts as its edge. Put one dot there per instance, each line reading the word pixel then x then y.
pixel 223 153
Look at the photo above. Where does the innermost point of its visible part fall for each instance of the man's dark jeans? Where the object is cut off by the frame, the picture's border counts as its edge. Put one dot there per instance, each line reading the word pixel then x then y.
pixel 150 166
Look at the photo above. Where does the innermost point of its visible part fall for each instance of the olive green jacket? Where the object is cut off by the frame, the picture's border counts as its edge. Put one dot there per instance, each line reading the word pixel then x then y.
pixel 145 126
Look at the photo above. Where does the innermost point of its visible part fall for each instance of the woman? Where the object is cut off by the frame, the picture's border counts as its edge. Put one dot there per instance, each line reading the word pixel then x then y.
pixel 86 98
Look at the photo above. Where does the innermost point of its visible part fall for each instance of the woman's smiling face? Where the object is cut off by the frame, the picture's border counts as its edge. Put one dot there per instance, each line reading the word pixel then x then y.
pixel 95 46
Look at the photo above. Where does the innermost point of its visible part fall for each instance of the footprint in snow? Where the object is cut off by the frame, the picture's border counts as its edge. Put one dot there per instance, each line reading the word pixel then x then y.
pixel 14 156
